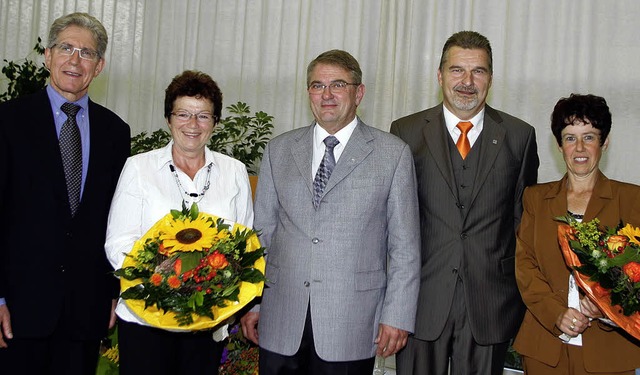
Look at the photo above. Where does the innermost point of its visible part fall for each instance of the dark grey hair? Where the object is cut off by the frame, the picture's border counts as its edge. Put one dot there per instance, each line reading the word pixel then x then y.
pixel 467 40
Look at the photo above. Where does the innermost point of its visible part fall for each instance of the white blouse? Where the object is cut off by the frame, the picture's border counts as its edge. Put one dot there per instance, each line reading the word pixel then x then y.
pixel 147 191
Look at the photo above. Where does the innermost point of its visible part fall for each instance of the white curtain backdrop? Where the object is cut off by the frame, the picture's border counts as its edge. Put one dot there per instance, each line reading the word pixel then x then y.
pixel 258 50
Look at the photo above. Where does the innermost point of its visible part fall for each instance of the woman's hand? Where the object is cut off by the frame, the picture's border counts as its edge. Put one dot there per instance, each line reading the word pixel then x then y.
pixel 573 322
pixel 590 309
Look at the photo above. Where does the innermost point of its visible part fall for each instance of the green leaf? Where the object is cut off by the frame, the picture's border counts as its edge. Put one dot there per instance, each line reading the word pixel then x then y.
pixel 131 273
pixel 252 275
pixel 193 212
pixel 190 260
pixel 250 257
pixel 135 292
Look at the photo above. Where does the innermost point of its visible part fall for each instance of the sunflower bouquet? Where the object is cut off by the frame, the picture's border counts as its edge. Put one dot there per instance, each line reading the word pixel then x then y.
pixel 192 271
pixel 607 267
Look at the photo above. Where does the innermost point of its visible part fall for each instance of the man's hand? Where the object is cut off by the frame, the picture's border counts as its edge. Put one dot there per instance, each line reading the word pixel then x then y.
pixel 390 340
pixel 249 324
pixel 5 326
pixel 112 319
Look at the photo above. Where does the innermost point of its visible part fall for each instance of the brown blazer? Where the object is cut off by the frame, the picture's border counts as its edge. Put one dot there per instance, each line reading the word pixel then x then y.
pixel 542 275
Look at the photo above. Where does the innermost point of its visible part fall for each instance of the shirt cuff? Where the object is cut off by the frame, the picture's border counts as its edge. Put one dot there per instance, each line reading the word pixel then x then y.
pixel 2 301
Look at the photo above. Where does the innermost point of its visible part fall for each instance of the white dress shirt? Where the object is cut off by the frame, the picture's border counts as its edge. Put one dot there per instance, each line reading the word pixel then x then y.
pixel 319 134
pixel 147 191
pixel 452 121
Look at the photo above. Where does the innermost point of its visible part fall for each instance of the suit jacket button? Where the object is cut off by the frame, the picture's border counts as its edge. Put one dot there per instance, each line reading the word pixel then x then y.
pixel 315 241
pixel 463 236
pixel 306 283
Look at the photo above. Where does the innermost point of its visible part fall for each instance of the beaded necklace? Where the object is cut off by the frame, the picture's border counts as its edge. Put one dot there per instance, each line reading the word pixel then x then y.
pixel 191 197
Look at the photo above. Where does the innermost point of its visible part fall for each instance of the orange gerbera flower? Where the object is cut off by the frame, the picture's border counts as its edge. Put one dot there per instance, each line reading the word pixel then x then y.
pixel 156 279
pixel 174 282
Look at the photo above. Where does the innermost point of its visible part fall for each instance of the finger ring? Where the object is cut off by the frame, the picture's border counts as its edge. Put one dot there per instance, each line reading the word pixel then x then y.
pixel 574 320
pixel 572 327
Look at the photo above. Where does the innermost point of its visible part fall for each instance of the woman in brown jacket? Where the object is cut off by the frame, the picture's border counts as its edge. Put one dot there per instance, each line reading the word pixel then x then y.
pixel 561 332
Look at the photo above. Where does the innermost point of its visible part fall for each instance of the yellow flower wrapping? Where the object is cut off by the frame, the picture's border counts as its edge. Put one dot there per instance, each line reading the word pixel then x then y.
pixel 166 320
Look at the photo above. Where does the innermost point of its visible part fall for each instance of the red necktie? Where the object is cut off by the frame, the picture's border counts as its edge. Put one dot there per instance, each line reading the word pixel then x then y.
pixel 463 144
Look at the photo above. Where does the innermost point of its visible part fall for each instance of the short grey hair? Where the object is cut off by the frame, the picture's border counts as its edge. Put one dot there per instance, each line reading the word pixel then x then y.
pixel 85 21
pixel 338 58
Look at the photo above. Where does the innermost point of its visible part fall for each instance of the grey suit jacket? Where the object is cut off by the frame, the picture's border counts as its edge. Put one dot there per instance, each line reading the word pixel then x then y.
pixel 478 246
pixel 335 258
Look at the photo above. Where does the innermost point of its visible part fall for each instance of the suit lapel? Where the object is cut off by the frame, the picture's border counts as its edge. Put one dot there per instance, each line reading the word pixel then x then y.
pixel 492 140
pixel 558 198
pixel 99 143
pixel 354 153
pixel 46 140
pixel 600 197
pixel 436 138
pixel 302 153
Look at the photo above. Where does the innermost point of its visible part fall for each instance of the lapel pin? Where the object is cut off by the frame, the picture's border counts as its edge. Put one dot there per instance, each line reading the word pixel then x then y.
pixel 495 141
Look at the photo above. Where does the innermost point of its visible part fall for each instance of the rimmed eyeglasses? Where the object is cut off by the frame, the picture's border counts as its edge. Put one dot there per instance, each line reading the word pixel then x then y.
pixel 84 53
pixel 201 117
pixel 335 87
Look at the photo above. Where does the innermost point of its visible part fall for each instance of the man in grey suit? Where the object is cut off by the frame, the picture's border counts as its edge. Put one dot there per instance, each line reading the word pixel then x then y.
pixel 471 178
pixel 341 230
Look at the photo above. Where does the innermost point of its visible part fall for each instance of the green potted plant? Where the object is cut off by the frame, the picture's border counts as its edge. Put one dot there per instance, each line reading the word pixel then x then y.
pixel 24 77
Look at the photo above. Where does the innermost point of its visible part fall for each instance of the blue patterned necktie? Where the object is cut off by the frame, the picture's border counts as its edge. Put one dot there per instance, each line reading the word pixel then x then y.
pixel 71 152
pixel 324 171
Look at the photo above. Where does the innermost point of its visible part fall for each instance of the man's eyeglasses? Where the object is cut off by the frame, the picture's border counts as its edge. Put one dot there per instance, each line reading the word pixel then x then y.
pixel 84 53
pixel 335 87
pixel 185 116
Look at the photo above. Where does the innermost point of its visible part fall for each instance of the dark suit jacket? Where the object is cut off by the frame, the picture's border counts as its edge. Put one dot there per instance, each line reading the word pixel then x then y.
pixel 543 276
pixel 52 264
pixel 478 247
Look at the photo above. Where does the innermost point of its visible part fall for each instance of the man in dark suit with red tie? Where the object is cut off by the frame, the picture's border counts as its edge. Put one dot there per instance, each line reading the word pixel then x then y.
pixel 472 164
pixel 60 157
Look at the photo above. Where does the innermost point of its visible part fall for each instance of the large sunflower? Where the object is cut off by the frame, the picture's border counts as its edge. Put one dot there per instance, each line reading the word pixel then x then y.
pixel 188 235
pixel 632 232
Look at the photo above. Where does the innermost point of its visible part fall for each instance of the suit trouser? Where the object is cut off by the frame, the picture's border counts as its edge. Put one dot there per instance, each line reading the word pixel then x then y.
pixel 307 362
pixel 50 355
pixel 148 350
pixel 455 347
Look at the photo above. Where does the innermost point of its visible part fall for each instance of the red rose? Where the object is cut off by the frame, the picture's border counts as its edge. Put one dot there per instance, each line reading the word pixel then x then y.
pixel 632 269
pixel 617 243
pixel 217 261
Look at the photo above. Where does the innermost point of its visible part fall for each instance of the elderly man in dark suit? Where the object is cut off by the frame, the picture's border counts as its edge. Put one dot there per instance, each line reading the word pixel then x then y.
pixel 473 163
pixel 60 156
pixel 330 223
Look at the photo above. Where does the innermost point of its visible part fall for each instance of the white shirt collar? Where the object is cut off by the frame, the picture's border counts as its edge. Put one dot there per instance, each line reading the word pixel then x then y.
pixel 343 135
pixel 452 120
pixel 166 156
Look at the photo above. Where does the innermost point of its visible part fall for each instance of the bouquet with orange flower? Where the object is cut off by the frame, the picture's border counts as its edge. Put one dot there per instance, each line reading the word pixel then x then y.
pixel 191 271
pixel 607 262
